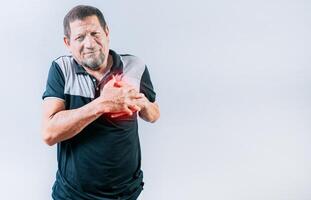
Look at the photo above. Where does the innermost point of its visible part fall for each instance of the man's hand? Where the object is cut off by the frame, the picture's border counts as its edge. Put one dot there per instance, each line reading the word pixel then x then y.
pixel 123 100
pixel 119 98
pixel 140 104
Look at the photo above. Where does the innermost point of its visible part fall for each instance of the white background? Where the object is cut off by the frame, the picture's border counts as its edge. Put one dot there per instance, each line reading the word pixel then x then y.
pixel 232 78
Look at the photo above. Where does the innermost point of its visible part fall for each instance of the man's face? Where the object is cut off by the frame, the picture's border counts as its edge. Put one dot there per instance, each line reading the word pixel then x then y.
pixel 88 42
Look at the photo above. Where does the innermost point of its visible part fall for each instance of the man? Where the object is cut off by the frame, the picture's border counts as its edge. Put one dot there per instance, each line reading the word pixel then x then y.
pixel 90 109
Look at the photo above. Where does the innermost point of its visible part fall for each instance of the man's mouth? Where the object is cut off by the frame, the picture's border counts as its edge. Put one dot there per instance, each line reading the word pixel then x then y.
pixel 90 52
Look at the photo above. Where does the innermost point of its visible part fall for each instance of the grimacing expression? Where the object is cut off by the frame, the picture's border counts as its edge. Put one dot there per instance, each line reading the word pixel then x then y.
pixel 88 42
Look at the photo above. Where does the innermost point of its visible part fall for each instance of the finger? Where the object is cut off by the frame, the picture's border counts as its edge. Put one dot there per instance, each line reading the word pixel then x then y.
pixel 119 77
pixel 115 81
pixel 137 96
pixel 134 107
pixel 142 102
pixel 128 111
pixel 128 87
pixel 114 78
pixel 117 115
pixel 118 84
pixel 111 82
pixel 132 91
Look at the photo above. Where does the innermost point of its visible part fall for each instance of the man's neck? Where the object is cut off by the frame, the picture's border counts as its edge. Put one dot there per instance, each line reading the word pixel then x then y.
pixel 104 68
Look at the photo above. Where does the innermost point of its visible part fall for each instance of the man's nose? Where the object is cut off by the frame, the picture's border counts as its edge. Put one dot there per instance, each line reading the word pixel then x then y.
pixel 89 42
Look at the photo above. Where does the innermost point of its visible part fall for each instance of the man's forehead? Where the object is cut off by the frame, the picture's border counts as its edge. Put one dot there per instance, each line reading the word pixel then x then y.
pixel 90 22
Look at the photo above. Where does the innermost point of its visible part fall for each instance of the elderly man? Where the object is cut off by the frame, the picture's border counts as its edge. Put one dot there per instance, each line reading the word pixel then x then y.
pixel 90 109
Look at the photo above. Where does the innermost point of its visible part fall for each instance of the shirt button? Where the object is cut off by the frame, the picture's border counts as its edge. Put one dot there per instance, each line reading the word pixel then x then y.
pixel 97 88
pixel 94 80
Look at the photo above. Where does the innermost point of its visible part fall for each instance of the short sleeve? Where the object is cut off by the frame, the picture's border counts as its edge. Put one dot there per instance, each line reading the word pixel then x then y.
pixel 55 83
pixel 146 86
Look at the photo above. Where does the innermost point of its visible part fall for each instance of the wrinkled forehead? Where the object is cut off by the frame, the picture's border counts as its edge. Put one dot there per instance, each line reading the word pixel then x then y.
pixel 90 23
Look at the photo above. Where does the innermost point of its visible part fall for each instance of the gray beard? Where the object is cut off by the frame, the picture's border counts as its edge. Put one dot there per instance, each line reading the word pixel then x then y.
pixel 94 63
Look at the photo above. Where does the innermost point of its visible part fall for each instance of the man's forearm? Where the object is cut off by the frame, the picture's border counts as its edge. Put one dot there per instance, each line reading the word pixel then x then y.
pixel 150 112
pixel 68 123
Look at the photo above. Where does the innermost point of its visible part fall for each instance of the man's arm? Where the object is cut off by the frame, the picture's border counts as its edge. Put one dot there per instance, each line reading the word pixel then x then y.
pixel 60 124
pixel 149 112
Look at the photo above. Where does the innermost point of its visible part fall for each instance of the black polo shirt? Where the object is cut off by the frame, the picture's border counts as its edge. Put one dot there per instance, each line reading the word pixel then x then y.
pixel 102 161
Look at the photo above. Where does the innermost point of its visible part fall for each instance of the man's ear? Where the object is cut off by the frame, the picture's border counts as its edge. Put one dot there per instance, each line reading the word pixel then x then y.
pixel 67 42
pixel 106 30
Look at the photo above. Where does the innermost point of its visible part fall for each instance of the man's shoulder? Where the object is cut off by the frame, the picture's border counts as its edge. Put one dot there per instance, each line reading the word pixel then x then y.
pixel 63 58
pixel 65 63
pixel 131 60
pixel 130 57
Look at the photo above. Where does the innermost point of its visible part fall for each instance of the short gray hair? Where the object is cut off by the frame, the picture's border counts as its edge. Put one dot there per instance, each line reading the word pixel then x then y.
pixel 79 13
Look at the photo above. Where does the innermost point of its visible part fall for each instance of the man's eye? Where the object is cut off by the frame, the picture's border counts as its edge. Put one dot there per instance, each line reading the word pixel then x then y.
pixel 96 34
pixel 80 38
